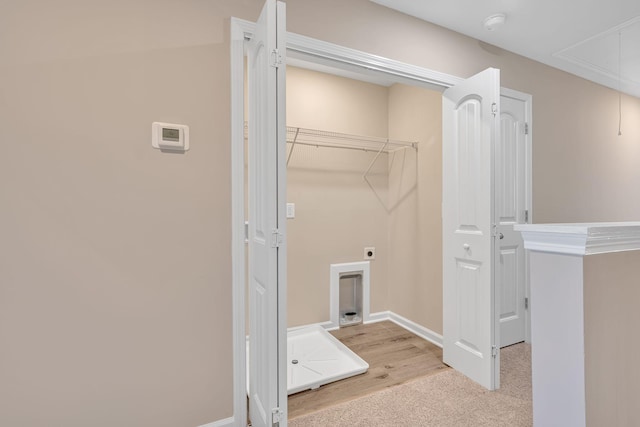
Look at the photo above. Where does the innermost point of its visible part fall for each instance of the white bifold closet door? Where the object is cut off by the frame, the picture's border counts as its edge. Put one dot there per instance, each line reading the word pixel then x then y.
pixel 511 208
pixel 470 128
pixel 267 250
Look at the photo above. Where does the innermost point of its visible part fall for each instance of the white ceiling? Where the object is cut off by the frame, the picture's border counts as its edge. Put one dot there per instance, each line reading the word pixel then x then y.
pixel 577 36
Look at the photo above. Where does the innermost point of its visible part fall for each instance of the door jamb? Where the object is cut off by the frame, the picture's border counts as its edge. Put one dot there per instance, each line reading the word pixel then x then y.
pixel 242 31
pixel 528 114
pixel 239 32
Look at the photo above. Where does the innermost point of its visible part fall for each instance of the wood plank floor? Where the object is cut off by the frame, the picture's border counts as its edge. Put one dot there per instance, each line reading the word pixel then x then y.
pixel 394 356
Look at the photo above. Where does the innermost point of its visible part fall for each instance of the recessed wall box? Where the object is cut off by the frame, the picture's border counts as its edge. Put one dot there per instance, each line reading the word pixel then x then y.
pixel 169 136
pixel 370 253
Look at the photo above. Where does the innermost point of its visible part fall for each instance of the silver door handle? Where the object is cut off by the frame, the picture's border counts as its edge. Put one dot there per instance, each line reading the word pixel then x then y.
pixel 466 246
pixel 501 236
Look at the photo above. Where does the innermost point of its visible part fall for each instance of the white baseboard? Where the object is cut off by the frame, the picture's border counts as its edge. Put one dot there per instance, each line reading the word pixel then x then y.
pixel 327 325
pixel 419 330
pixel 380 316
pixel 227 422
pixel 409 325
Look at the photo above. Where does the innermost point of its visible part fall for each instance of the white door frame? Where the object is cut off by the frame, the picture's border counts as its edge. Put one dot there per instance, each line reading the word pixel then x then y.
pixel 528 114
pixel 241 31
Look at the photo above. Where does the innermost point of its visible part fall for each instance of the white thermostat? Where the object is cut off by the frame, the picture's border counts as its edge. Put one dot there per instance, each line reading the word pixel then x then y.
pixel 168 136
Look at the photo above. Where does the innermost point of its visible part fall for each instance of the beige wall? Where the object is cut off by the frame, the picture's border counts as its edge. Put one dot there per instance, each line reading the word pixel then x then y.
pixel 323 101
pixel 611 319
pixel 115 277
pixel 415 200
pixel 337 213
pixel 115 266
pixel 582 170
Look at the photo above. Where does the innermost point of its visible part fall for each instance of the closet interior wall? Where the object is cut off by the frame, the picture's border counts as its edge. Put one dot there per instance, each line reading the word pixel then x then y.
pixel 338 213
pixel 415 198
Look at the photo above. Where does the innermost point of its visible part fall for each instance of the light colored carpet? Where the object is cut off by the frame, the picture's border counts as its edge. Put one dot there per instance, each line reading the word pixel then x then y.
pixel 444 399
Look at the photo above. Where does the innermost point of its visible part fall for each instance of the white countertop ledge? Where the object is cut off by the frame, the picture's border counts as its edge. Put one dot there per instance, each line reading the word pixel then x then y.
pixel 581 238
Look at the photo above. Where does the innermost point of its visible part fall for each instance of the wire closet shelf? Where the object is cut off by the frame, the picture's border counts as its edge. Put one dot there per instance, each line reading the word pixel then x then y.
pixel 321 138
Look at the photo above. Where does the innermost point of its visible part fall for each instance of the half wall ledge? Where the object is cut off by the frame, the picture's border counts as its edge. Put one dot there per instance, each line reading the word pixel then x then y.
pixel 581 238
pixel 583 280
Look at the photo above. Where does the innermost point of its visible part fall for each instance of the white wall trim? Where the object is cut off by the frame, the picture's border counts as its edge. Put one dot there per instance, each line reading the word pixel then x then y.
pixel 325 52
pixel 528 113
pixel 321 50
pixel 409 325
pixel 327 325
pixel 227 422
pixel 380 316
pixel 419 330
pixel 581 239
pixel 237 223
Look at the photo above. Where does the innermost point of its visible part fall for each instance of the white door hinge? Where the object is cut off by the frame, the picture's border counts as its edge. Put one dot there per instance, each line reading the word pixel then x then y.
pixel 526 128
pixel 276 416
pixel 246 231
pixel 526 216
pixel 276 58
pixel 494 108
pixel 276 239
pixel 526 303
pixel 494 351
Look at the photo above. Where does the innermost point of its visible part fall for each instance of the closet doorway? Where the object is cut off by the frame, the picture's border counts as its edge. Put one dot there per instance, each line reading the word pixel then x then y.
pixel 381 187
pixel 363 172
pixel 400 71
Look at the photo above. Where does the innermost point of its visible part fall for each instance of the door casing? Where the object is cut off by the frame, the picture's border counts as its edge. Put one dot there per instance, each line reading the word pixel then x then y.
pixel 241 31
pixel 516 210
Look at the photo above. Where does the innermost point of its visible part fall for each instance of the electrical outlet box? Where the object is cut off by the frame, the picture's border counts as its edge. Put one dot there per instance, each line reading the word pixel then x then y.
pixel 370 253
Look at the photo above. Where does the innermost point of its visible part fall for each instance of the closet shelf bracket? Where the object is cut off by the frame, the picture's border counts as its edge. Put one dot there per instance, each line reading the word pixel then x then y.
pixel 293 145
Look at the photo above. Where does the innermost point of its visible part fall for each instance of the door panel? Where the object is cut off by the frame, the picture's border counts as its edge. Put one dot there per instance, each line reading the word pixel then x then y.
pixel 468 132
pixel 470 125
pixel 508 274
pixel 469 277
pixel 511 204
pixel 266 282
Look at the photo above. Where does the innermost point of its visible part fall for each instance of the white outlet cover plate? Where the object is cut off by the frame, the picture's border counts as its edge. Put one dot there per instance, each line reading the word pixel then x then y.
pixel 366 253
pixel 291 210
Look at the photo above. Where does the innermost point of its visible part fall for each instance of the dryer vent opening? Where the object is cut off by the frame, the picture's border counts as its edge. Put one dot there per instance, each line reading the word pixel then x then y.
pixel 350 299
pixel 349 294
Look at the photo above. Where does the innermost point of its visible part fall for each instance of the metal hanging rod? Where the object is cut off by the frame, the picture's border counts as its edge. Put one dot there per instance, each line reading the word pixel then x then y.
pixel 321 138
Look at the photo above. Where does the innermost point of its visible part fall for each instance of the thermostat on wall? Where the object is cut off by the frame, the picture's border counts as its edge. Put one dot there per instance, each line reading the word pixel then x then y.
pixel 168 136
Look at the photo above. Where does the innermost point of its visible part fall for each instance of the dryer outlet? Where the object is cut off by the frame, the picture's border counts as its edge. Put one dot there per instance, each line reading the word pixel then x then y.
pixel 370 253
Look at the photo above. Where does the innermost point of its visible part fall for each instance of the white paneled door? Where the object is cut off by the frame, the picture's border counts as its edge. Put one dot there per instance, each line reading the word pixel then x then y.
pixel 511 208
pixel 471 114
pixel 267 254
